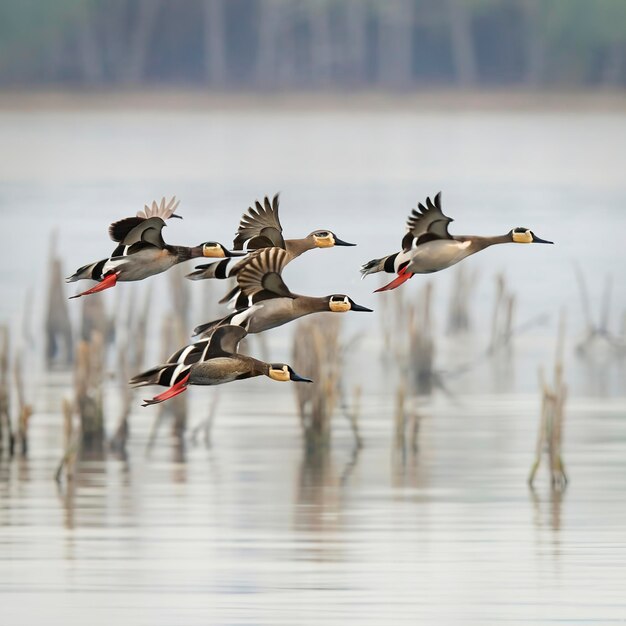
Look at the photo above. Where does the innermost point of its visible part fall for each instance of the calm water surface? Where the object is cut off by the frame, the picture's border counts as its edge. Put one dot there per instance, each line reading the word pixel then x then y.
pixel 253 530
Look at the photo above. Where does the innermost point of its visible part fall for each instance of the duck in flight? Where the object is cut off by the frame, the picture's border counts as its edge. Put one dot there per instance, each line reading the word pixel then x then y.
pixel 141 251
pixel 260 228
pixel 428 246
pixel 212 361
pixel 262 300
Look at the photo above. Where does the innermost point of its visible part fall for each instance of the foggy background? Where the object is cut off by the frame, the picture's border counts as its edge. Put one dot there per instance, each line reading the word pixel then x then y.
pixel 354 111
pixel 303 44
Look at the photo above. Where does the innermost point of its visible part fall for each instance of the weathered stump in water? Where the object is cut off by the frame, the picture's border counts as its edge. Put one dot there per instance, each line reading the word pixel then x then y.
pixel 25 410
pixel 6 432
pixel 463 286
pixel 408 339
pixel 550 435
pixel 96 319
pixel 317 354
pixel 176 334
pixel 71 443
pixel 17 436
pixel 421 344
pixel 58 327
pixel 131 349
pixel 88 384
pixel 502 318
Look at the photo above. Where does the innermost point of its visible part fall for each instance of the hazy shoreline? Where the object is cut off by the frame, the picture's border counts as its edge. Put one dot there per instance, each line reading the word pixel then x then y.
pixel 201 100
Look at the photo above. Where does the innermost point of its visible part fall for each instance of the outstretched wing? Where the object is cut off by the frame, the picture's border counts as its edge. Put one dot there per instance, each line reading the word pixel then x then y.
pixel 147 231
pixel 190 354
pixel 146 227
pixel 260 278
pixel 260 227
pixel 162 210
pixel 224 340
pixel 426 220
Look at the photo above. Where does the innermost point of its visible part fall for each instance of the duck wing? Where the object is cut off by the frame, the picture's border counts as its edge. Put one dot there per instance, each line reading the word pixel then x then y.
pixel 260 227
pixel 426 223
pixel 260 279
pixel 224 341
pixel 162 210
pixel 146 226
pixel 190 354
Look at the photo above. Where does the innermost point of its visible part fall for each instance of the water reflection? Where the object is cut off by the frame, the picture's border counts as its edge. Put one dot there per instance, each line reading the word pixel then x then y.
pixel 257 530
pixel 318 499
pixel 547 508
pixel 98 483
pixel 407 470
pixel 502 366
pixel 67 499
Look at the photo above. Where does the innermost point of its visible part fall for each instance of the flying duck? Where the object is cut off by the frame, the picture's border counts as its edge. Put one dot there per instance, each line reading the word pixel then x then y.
pixel 428 246
pixel 141 251
pixel 262 300
pixel 212 361
pixel 260 228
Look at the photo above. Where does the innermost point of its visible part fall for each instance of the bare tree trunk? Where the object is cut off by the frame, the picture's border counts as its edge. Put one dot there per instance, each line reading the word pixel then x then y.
pixel 114 38
pixel 214 42
pixel 54 57
pixel 320 49
pixel 286 51
pixel 355 53
pixel 89 57
pixel 395 45
pixel 613 71
pixel 139 43
pixel 535 49
pixel 463 52
pixel 58 324
pixel 266 58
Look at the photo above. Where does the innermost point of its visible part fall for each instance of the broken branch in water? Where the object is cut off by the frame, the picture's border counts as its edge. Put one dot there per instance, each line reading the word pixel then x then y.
pixel 550 434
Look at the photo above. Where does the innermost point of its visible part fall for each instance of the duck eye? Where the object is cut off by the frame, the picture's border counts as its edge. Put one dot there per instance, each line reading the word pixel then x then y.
pixel 322 233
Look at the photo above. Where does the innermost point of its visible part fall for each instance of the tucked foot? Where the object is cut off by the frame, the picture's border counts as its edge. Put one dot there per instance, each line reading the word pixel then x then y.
pixel 106 283
pixel 174 390
pixel 402 277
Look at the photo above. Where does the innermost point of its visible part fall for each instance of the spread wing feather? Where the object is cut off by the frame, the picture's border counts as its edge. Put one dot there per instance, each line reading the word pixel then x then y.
pixel 162 210
pixel 260 227
pixel 260 278
pixel 428 219
pixel 119 230
pixel 146 226
pixel 147 231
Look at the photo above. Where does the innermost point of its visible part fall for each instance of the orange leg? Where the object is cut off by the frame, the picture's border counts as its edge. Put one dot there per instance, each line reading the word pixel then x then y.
pixel 403 276
pixel 174 390
pixel 106 283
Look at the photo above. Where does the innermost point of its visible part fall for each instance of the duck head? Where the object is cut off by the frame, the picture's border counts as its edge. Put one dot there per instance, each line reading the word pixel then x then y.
pixel 215 250
pixel 525 235
pixel 327 239
pixel 283 373
pixel 340 303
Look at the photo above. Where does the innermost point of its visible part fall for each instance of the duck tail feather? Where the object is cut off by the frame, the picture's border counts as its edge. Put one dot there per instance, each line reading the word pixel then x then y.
pixel 373 266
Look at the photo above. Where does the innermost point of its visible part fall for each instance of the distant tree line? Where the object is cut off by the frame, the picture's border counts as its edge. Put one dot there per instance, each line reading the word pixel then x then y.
pixel 300 44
